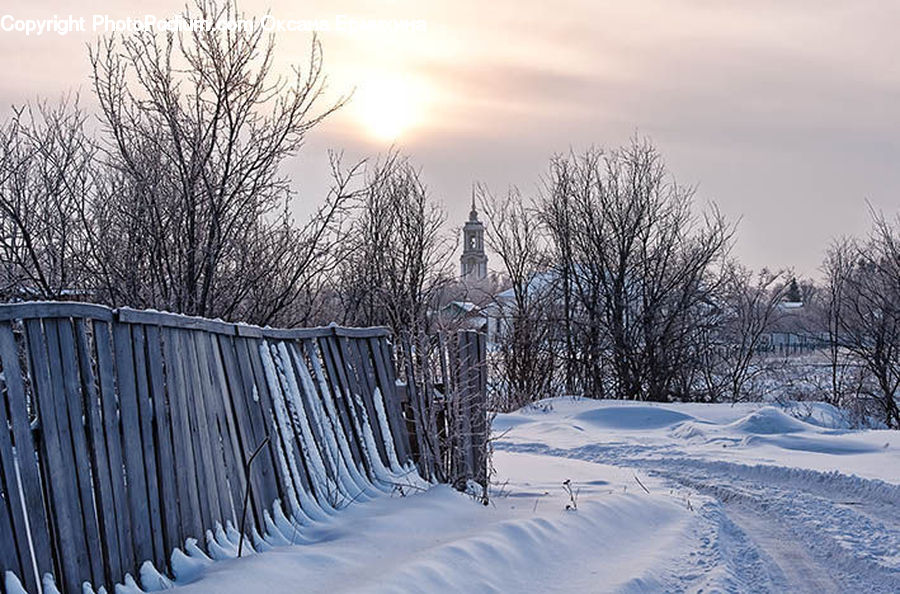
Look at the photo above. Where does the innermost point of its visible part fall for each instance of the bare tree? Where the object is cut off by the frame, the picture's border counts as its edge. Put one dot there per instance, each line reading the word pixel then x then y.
pixel 742 314
pixel 193 215
pixel 868 319
pixel 46 176
pixel 293 273
pixel 642 263
pixel 397 254
pixel 845 381
pixel 571 191
pixel 556 211
pixel 525 339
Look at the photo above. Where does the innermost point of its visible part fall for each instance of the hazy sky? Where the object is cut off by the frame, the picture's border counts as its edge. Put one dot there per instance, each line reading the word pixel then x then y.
pixel 784 113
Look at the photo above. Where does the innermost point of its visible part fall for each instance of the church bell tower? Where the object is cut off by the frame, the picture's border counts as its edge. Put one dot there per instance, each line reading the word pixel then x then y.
pixel 473 262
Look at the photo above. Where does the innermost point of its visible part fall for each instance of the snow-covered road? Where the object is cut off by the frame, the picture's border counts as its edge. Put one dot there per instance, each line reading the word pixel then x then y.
pixel 764 522
pixel 670 498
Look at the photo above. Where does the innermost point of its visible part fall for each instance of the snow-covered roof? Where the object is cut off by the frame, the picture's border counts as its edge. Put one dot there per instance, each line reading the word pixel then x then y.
pixel 464 305
pixel 790 305
pixel 539 282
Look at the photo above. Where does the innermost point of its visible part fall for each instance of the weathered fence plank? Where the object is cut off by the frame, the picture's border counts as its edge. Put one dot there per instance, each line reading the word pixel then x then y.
pixel 214 461
pixel 286 415
pixel 166 462
pixel 113 440
pixel 249 434
pixel 361 394
pixel 158 318
pixel 424 460
pixel 388 386
pixel 74 404
pixel 13 556
pixel 281 445
pixel 9 556
pixel 366 373
pixel 349 401
pixel 339 395
pixel 135 472
pixel 99 463
pixel 312 433
pixel 59 468
pixel 54 309
pixel 228 434
pixel 26 455
pixel 346 474
pixel 148 443
pixel 267 464
pixel 204 472
pixel 478 413
pixel 186 472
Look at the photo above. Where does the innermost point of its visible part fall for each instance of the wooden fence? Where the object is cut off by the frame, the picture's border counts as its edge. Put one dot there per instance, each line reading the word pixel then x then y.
pixel 123 433
pixel 448 378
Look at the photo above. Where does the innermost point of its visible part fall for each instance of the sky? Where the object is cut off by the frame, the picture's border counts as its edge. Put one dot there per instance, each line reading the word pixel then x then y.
pixel 783 113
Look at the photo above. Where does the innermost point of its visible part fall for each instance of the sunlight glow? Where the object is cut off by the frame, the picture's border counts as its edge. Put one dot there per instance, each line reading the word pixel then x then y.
pixel 389 105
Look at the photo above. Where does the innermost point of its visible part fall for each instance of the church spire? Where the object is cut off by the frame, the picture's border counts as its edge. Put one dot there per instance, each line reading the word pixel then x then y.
pixel 473 262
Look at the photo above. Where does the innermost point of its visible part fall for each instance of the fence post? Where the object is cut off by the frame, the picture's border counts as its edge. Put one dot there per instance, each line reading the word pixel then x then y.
pixel 471 394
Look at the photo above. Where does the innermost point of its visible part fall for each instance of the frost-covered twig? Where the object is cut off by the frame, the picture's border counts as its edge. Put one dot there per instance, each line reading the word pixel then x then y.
pixel 573 495
pixel 641 484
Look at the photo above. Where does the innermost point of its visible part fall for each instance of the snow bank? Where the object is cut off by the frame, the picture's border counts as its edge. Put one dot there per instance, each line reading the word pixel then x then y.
pixel 632 417
pixel 665 497
pixel 445 541
pixel 768 421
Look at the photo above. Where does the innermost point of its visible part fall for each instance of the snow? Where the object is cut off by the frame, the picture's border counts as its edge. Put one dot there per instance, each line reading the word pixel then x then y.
pixel 768 421
pixel 667 497
pixel 631 418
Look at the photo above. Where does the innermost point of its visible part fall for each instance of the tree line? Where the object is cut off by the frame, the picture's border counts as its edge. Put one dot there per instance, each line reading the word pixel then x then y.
pixel 623 288
pixel 173 197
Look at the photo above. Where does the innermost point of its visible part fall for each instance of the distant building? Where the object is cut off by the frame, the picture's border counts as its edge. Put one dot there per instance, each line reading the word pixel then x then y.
pixel 461 315
pixel 473 262
pixel 792 331
pixel 499 313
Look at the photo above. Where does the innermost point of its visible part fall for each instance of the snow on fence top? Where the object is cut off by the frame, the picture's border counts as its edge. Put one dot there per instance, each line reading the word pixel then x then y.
pixel 125 434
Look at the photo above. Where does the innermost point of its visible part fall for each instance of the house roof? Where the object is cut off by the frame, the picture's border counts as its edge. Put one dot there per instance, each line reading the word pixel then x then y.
pixel 539 282
pixel 463 305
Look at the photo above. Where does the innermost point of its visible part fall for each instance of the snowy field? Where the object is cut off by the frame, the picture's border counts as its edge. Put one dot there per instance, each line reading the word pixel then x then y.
pixel 670 498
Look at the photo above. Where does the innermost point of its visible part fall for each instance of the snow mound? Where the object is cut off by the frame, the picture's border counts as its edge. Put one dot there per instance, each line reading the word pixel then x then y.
pixel 506 422
pixel 819 445
pixel 687 430
pixel 769 421
pixel 821 414
pixel 632 417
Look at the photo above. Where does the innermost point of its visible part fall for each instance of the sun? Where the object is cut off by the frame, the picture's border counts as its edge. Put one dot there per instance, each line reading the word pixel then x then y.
pixel 389 106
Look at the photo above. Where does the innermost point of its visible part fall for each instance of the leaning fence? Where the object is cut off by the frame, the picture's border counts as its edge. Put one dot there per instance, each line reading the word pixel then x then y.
pixel 124 433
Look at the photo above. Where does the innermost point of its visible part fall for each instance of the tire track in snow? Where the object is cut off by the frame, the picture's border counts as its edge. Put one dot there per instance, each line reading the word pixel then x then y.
pixel 724 559
pixel 813 531
pixel 802 574
pixel 814 543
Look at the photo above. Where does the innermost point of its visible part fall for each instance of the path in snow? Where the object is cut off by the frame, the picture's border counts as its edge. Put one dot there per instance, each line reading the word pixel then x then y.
pixel 792 566
pixel 815 537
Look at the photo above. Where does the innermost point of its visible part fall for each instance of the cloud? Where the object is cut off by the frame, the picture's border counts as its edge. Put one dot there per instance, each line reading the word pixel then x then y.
pixel 783 112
